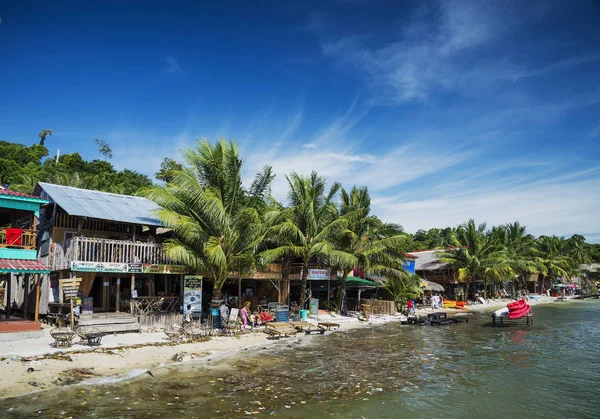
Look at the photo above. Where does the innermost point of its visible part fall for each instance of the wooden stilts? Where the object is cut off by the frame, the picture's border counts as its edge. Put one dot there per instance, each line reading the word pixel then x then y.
pixel 37 299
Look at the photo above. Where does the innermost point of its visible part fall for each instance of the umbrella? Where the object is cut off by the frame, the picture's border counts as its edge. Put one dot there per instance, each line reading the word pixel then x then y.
pixel 431 286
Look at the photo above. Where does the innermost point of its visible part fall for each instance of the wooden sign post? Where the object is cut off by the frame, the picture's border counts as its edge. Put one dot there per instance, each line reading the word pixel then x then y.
pixel 70 287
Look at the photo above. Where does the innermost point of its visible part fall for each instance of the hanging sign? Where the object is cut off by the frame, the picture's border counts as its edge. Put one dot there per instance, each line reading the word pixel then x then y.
pixel 109 267
pixel 318 274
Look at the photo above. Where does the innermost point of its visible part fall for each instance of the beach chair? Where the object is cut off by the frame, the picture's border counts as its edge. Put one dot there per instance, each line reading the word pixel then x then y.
pixel 277 330
pixel 232 325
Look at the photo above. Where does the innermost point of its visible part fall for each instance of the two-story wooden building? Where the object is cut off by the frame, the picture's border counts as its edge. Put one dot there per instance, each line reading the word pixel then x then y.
pixel 114 243
pixel 20 271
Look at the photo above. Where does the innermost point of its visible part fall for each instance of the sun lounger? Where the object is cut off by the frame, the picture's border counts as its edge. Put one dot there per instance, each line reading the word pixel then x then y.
pixel 307 327
pixel 329 325
pixel 277 330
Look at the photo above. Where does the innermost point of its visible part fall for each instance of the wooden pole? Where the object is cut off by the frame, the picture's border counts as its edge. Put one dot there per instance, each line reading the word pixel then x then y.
pixel 240 293
pixel 118 292
pixel 72 314
pixel 8 296
pixel 132 283
pixel 26 296
pixel 37 298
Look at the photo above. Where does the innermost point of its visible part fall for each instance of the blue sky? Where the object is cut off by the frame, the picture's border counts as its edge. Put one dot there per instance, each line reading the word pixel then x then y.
pixel 446 109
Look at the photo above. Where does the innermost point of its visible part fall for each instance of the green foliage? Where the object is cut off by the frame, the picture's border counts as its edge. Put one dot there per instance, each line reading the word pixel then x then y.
pixel 168 170
pixel 22 167
pixel 104 149
pixel 403 287
pixel 218 229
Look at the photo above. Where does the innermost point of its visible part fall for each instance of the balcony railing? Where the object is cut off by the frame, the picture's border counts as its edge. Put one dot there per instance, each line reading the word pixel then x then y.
pixel 86 249
pixel 17 238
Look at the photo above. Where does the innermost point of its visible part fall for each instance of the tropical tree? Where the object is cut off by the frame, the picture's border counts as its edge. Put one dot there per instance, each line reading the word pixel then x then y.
pixel 217 223
pixel 552 254
pixel 476 256
pixel 520 250
pixel 403 287
pixel 43 134
pixel 308 228
pixel 376 247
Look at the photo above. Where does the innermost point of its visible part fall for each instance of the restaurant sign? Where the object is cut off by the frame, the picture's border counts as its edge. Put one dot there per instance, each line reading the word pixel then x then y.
pixel 106 267
pixel 318 274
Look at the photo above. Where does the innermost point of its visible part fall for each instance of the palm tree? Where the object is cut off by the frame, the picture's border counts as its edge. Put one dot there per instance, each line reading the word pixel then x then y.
pixel 403 287
pixel 476 255
pixel 26 183
pixel 377 247
pixel 552 254
pixel 217 223
pixel 43 134
pixel 308 228
pixel 520 250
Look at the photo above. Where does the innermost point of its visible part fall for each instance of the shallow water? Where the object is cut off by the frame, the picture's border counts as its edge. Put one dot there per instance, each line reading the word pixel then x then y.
pixel 468 369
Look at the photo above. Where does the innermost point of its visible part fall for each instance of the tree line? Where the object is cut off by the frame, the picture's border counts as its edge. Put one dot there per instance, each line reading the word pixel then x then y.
pixel 223 228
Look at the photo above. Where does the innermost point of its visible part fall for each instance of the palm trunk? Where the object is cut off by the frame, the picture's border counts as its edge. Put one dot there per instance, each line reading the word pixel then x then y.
pixel 303 286
pixel 341 292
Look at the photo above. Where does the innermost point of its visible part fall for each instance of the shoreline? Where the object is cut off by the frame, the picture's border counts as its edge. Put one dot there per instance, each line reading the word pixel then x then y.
pixel 127 356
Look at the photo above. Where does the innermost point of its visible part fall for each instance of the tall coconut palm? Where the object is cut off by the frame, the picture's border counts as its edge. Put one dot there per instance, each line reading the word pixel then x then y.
pixel 476 255
pixel 552 253
pixel 520 249
pixel 307 229
pixel 217 223
pixel 377 247
pixel 403 287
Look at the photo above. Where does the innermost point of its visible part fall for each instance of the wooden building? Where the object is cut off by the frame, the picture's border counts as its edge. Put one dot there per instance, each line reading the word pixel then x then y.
pixel 20 271
pixel 114 243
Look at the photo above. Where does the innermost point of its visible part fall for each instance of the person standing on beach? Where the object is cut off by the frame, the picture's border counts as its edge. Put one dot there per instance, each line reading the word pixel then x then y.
pixel 244 314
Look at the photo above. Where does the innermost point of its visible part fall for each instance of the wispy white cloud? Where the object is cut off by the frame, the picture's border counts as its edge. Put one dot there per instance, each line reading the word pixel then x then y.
pixel 173 66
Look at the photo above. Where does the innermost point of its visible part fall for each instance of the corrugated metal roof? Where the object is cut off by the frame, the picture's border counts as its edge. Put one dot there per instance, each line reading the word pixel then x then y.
pixel 102 205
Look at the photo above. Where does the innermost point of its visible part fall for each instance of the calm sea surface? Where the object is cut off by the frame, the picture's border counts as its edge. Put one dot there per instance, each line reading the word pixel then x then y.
pixel 466 370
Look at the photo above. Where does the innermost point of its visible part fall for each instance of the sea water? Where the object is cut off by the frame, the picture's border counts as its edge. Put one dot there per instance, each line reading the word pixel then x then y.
pixel 467 370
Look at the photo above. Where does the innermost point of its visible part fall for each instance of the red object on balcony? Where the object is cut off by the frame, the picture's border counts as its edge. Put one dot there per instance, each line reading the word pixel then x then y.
pixel 14 236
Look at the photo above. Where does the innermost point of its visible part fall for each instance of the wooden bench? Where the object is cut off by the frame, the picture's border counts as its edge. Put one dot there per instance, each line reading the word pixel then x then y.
pixel 277 330
pixel 307 327
pixel 329 325
pixel 561 299
pixel 437 315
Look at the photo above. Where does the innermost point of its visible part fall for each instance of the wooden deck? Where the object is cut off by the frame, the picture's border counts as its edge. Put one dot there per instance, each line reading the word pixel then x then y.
pixel 16 325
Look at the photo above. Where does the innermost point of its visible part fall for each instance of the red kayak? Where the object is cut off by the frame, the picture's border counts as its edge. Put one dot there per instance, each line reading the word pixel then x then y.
pixel 517 314
pixel 516 304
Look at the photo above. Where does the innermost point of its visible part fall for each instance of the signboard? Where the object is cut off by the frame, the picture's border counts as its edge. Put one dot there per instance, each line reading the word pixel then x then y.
pixel 313 307
pixel 135 268
pixel 108 267
pixel 322 274
pixel 87 305
pixel 409 266
pixel 192 295
pixel 99 267
pixel 70 286
pixel 164 269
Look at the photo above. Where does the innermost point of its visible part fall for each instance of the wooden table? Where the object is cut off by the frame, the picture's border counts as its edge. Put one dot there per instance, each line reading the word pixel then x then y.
pixel 307 327
pixel 329 325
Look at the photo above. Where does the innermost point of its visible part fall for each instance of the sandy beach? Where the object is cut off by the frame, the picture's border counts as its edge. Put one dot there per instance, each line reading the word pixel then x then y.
pixel 128 355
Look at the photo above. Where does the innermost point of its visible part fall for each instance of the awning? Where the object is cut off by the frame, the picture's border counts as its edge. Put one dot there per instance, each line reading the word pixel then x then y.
pixel 19 266
pixel 353 281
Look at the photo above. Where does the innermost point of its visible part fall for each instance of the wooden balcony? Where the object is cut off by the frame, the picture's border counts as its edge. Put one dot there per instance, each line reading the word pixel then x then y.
pixel 17 238
pixel 86 249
